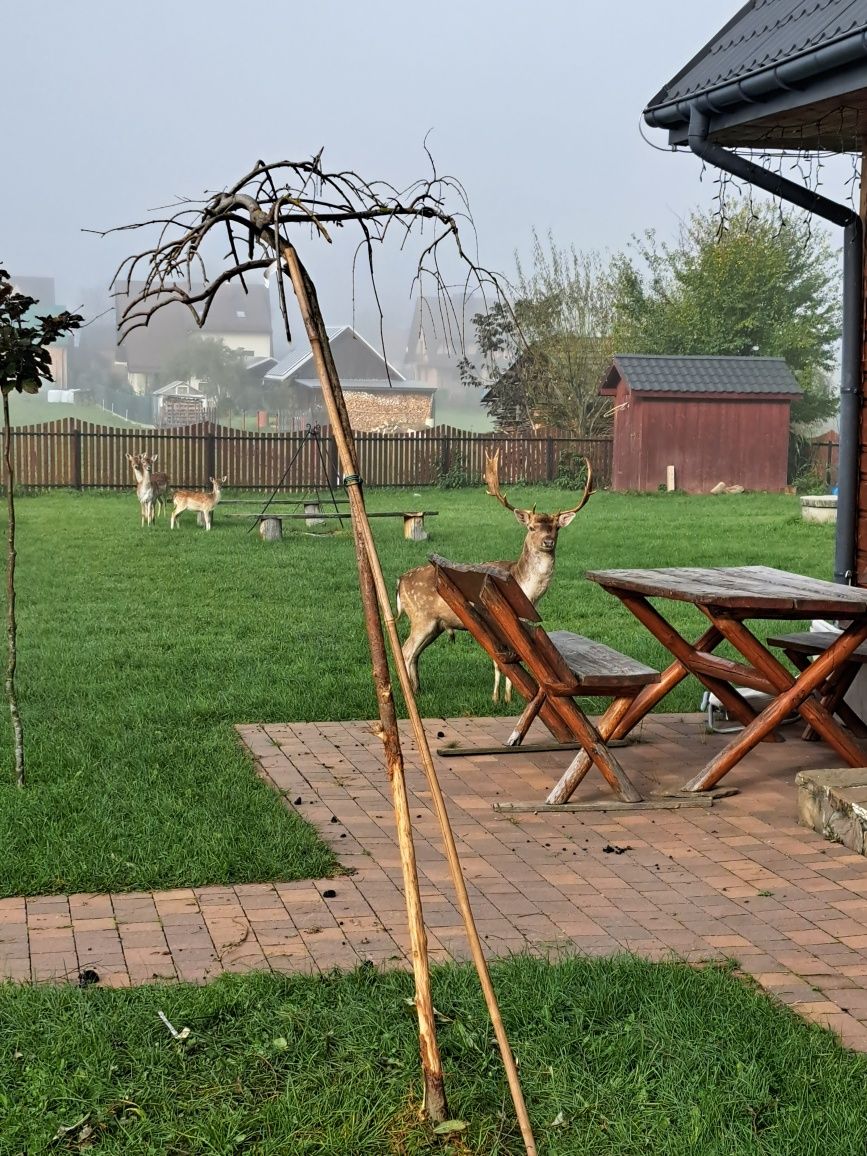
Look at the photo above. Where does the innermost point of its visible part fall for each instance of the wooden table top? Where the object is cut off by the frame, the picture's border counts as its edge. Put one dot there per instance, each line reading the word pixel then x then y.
pixel 759 589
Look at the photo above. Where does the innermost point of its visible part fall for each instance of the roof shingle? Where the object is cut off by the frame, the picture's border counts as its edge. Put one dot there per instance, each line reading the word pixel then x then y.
pixel 731 375
pixel 763 34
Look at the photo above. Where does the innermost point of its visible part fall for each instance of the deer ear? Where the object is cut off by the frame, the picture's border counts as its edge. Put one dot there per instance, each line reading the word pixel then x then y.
pixel 565 519
pixel 523 516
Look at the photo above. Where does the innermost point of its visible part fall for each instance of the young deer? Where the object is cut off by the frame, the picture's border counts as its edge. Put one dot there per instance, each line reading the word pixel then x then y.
pixel 159 482
pixel 198 500
pixel 144 487
pixel 429 615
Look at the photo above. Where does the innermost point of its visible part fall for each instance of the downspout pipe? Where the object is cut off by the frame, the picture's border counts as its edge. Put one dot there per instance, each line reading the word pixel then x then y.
pixel 853 260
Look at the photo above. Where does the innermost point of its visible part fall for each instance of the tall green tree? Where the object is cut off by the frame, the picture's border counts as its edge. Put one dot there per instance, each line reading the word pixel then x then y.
pixel 221 371
pixel 542 358
pixel 25 362
pixel 751 286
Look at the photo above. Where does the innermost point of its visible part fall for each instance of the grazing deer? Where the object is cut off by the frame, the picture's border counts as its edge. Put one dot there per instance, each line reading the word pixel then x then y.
pixel 143 486
pixel 198 500
pixel 159 481
pixel 429 615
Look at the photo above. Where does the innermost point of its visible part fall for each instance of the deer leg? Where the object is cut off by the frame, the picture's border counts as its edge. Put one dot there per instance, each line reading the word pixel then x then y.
pixel 174 518
pixel 207 514
pixel 419 638
pixel 495 697
pixel 508 693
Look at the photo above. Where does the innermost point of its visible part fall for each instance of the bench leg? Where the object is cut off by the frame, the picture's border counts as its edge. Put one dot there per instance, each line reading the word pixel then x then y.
pixel 313 510
pixel 524 722
pixel 581 764
pixel 413 528
pixel 831 698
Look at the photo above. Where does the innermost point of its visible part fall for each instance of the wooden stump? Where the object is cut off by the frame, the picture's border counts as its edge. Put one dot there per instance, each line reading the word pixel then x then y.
pixel 313 509
pixel 270 528
pixel 413 528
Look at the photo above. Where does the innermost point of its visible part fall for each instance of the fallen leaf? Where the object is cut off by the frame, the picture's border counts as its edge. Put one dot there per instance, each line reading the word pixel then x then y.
pixel 449 1126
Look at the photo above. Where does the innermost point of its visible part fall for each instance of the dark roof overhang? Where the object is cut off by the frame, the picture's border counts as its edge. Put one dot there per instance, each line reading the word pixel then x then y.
pixel 773 106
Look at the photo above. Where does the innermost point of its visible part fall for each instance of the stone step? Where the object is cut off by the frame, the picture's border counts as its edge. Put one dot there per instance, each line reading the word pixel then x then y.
pixel 834 803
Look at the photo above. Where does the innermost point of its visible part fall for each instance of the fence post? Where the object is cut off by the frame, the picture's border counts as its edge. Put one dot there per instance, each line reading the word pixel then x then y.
pixel 210 433
pixel 549 453
pixel 76 453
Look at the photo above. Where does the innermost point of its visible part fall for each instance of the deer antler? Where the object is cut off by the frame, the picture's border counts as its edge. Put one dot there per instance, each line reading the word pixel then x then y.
pixel 492 471
pixel 588 490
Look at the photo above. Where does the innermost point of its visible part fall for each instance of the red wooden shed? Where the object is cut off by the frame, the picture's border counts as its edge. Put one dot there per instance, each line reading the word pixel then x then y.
pixel 715 419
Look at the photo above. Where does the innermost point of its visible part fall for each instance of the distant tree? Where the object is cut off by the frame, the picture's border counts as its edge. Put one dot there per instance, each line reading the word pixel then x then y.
pixel 542 361
pixel 755 287
pixel 25 362
pixel 221 370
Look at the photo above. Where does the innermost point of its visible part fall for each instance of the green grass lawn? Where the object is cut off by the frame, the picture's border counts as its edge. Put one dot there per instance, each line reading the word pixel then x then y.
pixel 139 649
pixel 617 1057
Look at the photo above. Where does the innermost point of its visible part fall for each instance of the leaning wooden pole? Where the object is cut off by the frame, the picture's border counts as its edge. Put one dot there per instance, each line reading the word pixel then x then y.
pixel 435 1103
pixel 332 393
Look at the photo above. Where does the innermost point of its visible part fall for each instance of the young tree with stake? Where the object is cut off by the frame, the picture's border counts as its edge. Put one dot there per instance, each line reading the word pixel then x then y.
pixel 25 362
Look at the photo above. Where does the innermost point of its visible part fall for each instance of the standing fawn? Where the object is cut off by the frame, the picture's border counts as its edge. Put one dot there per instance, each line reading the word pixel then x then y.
pixel 429 615
pixel 199 501
pixel 144 488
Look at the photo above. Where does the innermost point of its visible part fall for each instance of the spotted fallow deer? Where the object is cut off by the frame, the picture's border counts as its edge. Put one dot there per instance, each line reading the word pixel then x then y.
pixel 198 500
pixel 144 489
pixel 429 615
pixel 159 482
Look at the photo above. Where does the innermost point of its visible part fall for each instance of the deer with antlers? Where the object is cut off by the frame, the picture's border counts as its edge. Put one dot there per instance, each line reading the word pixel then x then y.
pixel 199 500
pixel 159 482
pixel 428 614
pixel 144 488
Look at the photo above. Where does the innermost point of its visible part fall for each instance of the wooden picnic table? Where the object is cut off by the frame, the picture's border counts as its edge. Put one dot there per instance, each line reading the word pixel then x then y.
pixel 728 596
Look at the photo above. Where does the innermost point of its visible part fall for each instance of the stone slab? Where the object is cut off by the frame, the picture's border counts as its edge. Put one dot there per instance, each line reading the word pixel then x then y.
pixel 819 508
pixel 834 803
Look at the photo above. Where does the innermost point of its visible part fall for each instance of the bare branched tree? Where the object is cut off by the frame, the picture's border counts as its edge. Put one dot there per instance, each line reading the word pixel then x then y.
pixel 245 230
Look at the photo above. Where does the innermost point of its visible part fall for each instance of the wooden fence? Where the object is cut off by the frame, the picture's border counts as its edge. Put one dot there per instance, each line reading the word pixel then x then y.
pixel 81 455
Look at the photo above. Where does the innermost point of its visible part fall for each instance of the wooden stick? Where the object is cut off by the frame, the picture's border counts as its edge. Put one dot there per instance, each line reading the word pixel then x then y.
pixel 435 1102
pixel 341 429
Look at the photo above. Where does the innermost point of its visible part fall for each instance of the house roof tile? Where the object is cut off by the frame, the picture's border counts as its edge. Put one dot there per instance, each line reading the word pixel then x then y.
pixel 726 375
pixel 762 35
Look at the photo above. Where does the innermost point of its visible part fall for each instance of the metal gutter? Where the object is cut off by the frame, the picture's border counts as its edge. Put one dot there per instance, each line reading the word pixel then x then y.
pixel 850 384
pixel 759 86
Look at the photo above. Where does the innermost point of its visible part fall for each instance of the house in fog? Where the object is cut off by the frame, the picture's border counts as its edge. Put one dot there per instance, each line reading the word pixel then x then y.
pixel 241 320
pixel 42 288
pixel 378 397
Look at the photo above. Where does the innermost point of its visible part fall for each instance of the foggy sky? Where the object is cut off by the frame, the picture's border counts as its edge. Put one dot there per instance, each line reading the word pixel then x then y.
pixel 534 106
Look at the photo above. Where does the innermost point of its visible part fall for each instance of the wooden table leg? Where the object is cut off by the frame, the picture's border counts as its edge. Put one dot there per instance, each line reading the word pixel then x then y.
pixel 593 741
pixel 683 651
pixel 794 695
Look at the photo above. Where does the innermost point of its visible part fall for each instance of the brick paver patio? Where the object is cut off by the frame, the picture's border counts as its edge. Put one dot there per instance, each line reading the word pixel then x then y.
pixel 740 880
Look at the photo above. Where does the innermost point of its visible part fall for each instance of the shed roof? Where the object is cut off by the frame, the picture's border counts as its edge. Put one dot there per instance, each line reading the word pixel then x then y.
pixel 695 375
pixel 772 56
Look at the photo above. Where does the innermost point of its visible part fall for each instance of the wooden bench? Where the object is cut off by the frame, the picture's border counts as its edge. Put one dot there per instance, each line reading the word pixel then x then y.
pixel 312 506
pixel 413 520
pixel 549 670
pixel 799 648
